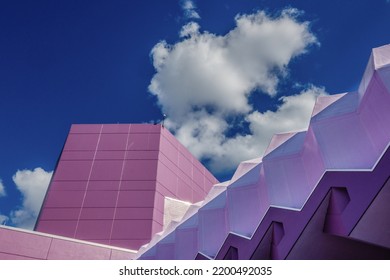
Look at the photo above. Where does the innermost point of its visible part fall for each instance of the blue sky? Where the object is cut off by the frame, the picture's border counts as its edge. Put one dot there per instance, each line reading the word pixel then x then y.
pixel 227 73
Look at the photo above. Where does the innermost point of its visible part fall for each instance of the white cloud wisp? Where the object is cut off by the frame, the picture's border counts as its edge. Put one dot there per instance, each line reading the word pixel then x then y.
pixel 189 9
pixel 2 189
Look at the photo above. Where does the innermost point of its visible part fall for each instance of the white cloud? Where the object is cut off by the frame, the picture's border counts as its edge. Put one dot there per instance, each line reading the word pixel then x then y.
pixel 33 185
pixel 205 134
pixel 189 9
pixel 3 219
pixel 205 80
pixel 190 29
pixel 2 189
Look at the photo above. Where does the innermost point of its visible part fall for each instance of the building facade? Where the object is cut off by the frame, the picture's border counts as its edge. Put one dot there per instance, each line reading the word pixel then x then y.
pixel 134 192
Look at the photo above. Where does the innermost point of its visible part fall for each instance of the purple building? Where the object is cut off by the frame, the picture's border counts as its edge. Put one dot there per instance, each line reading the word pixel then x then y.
pixel 111 181
pixel 132 191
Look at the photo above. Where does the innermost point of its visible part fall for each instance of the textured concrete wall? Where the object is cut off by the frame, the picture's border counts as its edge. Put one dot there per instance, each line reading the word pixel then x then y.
pixel 16 244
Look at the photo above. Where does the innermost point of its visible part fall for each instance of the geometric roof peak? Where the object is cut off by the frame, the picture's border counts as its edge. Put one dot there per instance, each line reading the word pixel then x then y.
pixel 323 102
pixel 277 140
pixel 381 56
pixel 244 167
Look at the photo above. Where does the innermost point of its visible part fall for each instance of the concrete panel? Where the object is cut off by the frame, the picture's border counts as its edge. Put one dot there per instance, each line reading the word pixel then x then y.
pixel 68 250
pixel 81 142
pixel 73 170
pixel 94 229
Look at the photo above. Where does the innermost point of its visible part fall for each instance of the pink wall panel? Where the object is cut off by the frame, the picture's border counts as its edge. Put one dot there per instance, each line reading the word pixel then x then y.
pixel 210 177
pixel 77 155
pixel 166 177
pixel 198 177
pixel 97 213
pixel 6 256
pixel 58 227
pixel 121 255
pixel 115 128
pixel 73 170
pixel 168 163
pixel 136 198
pixel 129 243
pixel 185 165
pixel 144 128
pixel 134 213
pixel 138 185
pixel 21 243
pixel 186 153
pixel 156 227
pixel 169 137
pixel 94 229
pixel 184 192
pixel 100 199
pixel 64 199
pixel 184 178
pixel 103 155
pixel 165 191
pixel 142 155
pixel 106 170
pixel 60 214
pixel 159 202
pixel 139 170
pixel 137 142
pixel 112 142
pixel 16 244
pixel 68 185
pixel 154 142
pixel 103 185
pixel 86 128
pixel 169 150
pixel 158 216
pixel 197 196
pixel 68 250
pixel 132 229
pixel 81 142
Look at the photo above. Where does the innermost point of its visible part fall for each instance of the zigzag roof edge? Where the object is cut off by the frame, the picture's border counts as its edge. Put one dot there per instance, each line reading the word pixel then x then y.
pixel 381 56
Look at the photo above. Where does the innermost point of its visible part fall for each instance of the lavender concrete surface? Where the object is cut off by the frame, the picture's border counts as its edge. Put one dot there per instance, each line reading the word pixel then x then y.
pixel 314 194
pixel 18 244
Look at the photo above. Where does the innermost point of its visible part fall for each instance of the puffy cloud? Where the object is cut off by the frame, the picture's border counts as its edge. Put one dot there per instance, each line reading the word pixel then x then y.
pixel 189 9
pixel 2 189
pixel 33 185
pixel 205 134
pixel 205 80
